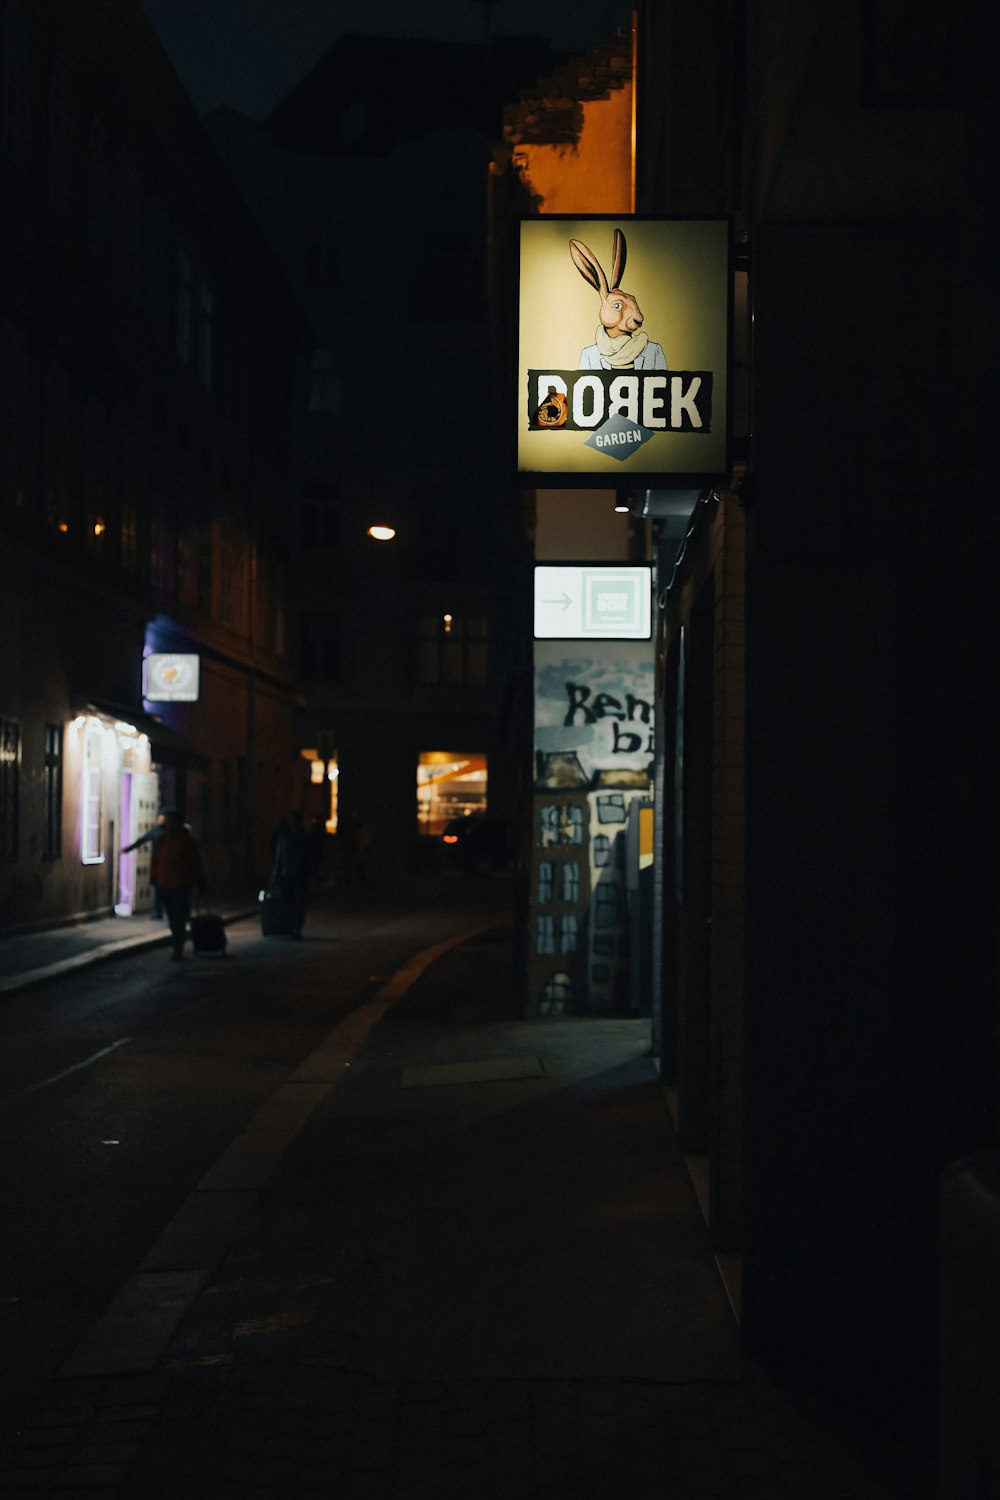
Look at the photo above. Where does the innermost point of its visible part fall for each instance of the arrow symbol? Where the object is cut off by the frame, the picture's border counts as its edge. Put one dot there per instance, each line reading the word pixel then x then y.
pixel 565 601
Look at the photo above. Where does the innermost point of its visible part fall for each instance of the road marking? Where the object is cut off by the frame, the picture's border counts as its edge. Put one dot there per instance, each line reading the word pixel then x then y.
pixel 66 1072
pixel 136 1327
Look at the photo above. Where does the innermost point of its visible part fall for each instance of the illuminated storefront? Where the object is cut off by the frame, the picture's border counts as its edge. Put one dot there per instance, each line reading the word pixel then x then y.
pixel 449 785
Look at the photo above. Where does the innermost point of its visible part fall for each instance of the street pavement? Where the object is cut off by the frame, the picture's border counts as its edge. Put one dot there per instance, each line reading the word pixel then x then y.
pixel 457 1254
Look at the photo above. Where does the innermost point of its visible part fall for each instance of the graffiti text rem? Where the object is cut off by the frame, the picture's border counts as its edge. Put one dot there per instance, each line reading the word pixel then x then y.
pixel 606 706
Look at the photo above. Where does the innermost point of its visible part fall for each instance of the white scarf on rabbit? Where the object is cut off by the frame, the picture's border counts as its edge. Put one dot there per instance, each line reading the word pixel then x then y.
pixel 623 351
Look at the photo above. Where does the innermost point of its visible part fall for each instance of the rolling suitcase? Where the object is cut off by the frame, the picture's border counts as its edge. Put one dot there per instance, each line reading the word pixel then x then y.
pixel 208 932
pixel 275 912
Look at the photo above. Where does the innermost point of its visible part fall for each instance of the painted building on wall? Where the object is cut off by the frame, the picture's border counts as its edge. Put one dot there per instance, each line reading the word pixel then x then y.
pixel 593 749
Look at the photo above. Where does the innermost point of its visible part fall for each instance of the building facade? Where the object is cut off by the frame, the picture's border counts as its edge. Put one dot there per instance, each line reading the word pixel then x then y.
pixel 824 987
pixel 149 355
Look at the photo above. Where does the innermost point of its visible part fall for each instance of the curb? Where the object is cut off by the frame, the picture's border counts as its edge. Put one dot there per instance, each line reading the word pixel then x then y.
pixel 31 978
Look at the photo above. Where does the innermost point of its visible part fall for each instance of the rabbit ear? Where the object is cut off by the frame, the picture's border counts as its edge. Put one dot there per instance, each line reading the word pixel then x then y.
pixel 618 262
pixel 588 266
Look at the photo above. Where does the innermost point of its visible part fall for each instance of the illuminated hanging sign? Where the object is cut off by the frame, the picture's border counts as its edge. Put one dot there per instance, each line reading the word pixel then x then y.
pixel 169 678
pixel 623 351
pixel 576 602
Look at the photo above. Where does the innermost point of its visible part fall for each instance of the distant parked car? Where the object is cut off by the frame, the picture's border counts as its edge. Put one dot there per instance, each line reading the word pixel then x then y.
pixel 476 844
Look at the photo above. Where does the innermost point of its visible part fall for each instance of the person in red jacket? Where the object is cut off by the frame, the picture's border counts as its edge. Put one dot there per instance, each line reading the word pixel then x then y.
pixel 176 869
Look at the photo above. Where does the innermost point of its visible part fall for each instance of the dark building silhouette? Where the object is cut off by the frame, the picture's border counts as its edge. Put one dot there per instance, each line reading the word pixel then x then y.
pixel 149 350
pixel 369 181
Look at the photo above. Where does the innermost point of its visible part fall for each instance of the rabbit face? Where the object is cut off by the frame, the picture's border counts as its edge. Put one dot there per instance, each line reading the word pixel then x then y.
pixel 620 312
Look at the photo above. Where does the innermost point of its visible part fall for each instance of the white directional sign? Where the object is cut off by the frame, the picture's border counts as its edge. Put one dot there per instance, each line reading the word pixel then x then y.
pixel 584 601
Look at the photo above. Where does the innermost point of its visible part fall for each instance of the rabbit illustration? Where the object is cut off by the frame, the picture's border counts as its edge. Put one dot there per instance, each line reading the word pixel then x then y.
pixel 620 343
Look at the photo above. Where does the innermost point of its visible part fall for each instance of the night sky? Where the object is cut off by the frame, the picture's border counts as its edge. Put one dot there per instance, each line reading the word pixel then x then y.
pixel 247 54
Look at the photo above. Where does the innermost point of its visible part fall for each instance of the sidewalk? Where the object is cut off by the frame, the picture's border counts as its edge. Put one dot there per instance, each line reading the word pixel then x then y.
pixel 457 1255
pixel 34 958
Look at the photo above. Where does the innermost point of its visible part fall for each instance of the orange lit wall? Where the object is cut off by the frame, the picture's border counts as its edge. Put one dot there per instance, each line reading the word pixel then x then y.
pixel 592 175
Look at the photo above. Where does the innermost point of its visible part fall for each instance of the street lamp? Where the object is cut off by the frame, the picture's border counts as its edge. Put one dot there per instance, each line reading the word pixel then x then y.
pixel 382 533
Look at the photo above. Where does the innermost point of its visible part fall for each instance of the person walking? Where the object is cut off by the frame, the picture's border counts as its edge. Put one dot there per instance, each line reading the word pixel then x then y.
pixel 292 865
pixel 176 870
pixel 153 835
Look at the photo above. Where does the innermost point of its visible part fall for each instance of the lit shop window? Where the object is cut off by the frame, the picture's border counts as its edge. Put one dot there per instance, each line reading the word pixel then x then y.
pixel 450 784
pixel 91 851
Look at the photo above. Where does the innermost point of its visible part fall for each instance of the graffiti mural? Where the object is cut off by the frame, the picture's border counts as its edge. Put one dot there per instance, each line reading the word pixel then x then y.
pixel 593 757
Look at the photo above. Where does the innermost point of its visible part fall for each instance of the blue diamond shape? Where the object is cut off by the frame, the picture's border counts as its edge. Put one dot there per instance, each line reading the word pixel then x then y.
pixel 618 437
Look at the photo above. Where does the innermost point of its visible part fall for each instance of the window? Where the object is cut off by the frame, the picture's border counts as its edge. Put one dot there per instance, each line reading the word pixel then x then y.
pixel 607 851
pixel 52 791
pixel 61 144
pixel 159 265
pixel 205 569
pixel 557 995
pixel 452 650
pixel 324 385
pixel 182 306
pixel 571 881
pixel 320 640
pixel 611 808
pixel 129 535
pixel 606 907
pixel 320 517
pixel 163 559
pixel 450 784
pixel 560 824
pixel 91 799
pixel 548 826
pixel 233 576
pixel 99 189
pixel 545 885
pixel 187 568
pixel 545 935
pixel 569 933
pixel 226 820
pixel 10 772
pixel 206 336
pixel 572 825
